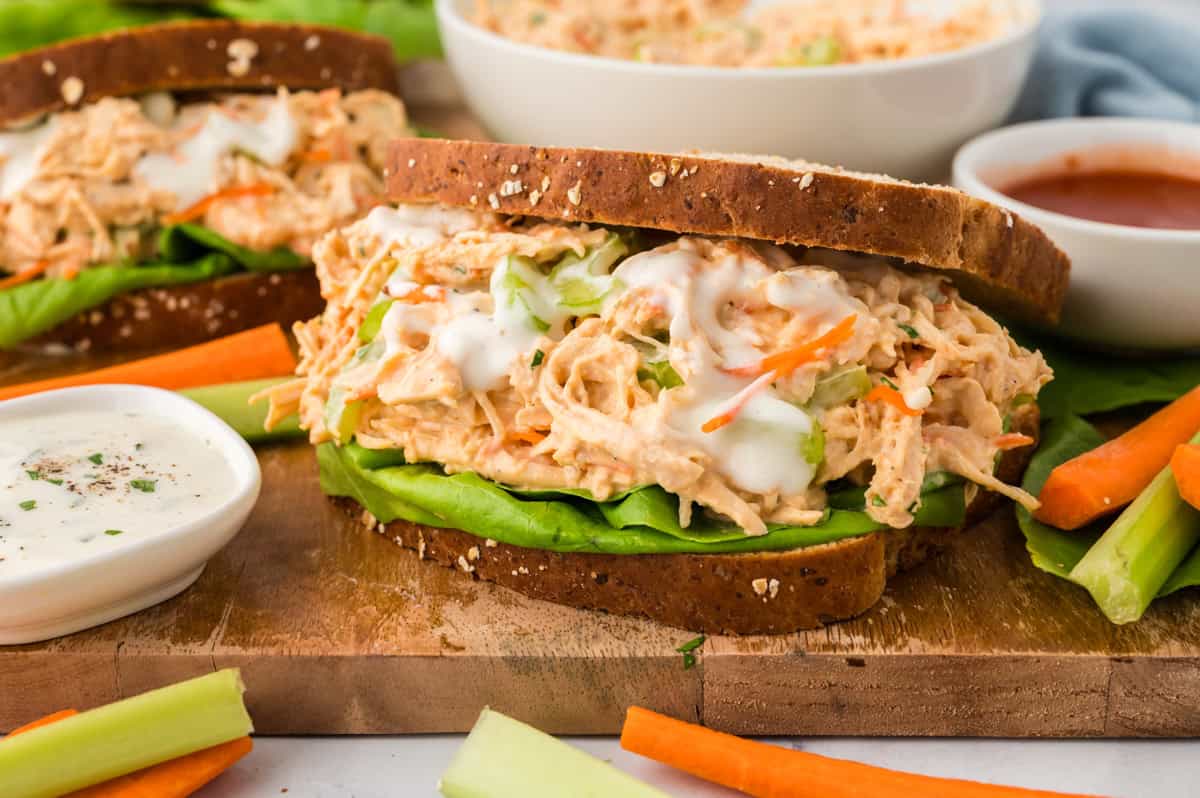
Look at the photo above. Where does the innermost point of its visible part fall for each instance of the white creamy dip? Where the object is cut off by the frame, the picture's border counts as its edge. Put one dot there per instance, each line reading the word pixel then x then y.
pixel 79 483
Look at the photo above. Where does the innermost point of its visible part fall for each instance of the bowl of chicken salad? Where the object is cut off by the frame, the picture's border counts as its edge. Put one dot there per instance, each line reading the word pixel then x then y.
pixel 888 86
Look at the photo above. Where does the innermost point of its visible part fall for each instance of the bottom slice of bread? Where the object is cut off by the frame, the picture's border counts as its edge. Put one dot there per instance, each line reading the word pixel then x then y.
pixel 182 315
pixel 750 593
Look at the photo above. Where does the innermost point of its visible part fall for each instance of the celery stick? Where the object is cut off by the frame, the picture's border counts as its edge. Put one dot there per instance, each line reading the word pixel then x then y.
pixel 503 757
pixel 1129 564
pixel 231 403
pixel 120 738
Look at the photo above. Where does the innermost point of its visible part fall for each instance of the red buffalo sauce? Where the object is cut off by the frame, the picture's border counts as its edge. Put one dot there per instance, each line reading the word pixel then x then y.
pixel 1117 196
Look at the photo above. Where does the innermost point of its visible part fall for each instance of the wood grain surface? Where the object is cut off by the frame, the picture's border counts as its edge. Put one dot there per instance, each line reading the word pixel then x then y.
pixel 338 630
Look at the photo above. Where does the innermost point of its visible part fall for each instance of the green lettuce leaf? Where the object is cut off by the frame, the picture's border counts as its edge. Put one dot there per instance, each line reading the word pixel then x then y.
pixel 35 307
pixel 188 253
pixel 1086 383
pixel 1054 550
pixel 409 24
pixel 26 24
pixel 183 243
pixel 643 522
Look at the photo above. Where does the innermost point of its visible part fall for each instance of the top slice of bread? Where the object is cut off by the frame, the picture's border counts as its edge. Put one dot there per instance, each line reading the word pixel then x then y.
pixel 203 55
pixel 996 258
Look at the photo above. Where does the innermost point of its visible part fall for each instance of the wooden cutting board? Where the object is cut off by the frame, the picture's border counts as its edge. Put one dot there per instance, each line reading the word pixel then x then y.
pixel 338 631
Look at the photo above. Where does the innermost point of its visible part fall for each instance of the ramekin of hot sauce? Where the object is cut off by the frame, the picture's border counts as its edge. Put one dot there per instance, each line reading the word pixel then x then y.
pixel 1122 198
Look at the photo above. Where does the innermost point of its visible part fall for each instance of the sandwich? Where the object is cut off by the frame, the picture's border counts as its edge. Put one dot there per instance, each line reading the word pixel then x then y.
pixel 165 185
pixel 731 394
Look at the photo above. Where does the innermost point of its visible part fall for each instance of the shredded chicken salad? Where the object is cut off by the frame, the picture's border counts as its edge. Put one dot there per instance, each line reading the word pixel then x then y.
pixel 92 186
pixel 725 33
pixel 740 376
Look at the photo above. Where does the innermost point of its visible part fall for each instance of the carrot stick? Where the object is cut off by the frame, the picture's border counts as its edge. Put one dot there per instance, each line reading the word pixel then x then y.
pixel 176 778
pixel 883 393
pixel 1108 477
pixel 1185 466
pixel 250 355
pixel 200 207
pixel 768 771
pixel 36 270
pixel 46 721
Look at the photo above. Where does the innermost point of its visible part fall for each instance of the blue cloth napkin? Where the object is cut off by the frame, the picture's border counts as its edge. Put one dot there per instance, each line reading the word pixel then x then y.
pixel 1114 62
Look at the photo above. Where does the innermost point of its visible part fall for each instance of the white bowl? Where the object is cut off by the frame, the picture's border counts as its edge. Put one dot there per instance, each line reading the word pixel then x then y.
pixel 65 598
pixel 901 117
pixel 1131 287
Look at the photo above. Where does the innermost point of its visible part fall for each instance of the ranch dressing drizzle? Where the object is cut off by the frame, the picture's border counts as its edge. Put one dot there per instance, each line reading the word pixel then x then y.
pixel 419 225
pixel 78 484
pixel 190 173
pixel 21 153
pixel 762 449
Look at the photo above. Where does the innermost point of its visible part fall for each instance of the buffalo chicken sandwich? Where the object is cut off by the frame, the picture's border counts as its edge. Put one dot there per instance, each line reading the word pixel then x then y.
pixel 167 184
pixel 731 394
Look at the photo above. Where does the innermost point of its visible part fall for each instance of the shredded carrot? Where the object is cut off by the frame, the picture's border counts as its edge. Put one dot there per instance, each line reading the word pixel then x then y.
pixel 530 436
pixel 321 155
pixel 784 363
pixel 250 355
pixel 423 293
pixel 1012 440
pixel 34 271
pixel 199 208
pixel 777 367
pixel 770 771
pixel 1185 466
pixel 40 722
pixel 1108 477
pixel 737 403
pixel 888 395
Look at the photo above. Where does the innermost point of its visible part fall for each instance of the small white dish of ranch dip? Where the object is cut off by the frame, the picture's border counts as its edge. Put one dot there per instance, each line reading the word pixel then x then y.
pixel 112 499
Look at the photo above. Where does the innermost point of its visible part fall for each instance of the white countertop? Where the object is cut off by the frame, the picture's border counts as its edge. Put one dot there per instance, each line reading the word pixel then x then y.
pixel 375 767
pixel 385 767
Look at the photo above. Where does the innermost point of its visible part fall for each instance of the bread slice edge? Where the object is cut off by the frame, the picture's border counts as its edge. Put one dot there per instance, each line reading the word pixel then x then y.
pixel 998 259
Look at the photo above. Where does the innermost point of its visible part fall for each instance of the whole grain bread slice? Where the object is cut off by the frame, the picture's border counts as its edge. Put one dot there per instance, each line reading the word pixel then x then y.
pixel 182 315
pixel 203 55
pixel 996 258
pixel 753 593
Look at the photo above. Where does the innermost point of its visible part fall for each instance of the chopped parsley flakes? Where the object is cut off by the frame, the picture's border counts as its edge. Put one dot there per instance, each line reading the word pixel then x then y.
pixel 888 383
pixel 688 649
pixel 144 485
pixel 28 504
pixel 96 458
pixel 909 330
pixel 113 531
pixel 538 357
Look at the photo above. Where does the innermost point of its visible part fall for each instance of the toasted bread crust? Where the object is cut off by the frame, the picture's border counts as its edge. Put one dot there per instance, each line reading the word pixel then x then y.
pixel 192 56
pixel 753 593
pixel 182 315
pixel 997 258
